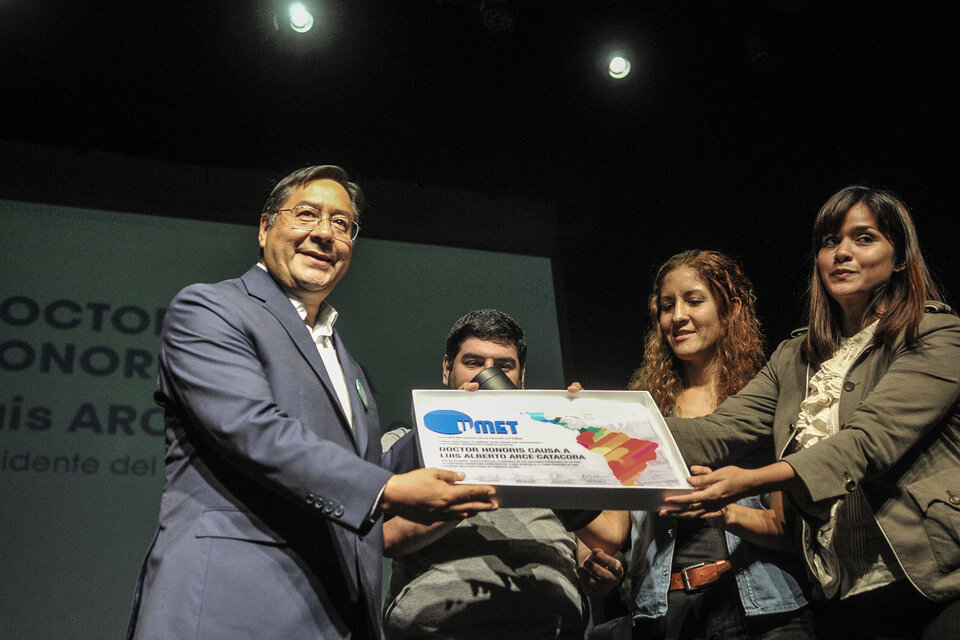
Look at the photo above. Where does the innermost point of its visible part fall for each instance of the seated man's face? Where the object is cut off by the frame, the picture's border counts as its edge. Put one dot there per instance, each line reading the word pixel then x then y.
pixel 476 355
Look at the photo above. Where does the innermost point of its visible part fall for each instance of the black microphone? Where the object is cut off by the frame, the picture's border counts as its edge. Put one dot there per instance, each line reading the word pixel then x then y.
pixel 494 379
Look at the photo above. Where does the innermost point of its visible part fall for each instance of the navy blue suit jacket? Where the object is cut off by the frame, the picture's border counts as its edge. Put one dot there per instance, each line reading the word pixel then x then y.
pixel 264 529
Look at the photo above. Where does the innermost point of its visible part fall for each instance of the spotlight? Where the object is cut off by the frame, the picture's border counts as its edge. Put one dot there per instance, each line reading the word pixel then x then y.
pixel 498 17
pixel 301 20
pixel 619 67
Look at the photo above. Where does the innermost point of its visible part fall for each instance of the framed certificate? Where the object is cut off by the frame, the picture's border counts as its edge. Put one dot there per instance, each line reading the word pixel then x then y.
pixel 587 450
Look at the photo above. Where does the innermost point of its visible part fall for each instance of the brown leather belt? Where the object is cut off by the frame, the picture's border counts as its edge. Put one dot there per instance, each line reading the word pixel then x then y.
pixel 699 575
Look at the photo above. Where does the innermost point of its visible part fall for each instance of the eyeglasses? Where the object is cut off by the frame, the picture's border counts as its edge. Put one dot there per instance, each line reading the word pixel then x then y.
pixel 306 218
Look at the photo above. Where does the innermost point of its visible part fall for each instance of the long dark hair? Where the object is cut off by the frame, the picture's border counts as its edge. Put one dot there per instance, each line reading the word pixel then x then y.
pixel 899 302
pixel 739 347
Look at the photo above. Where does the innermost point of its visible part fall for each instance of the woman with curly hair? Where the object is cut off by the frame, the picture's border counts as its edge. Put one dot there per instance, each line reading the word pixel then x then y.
pixel 696 578
pixel 672 362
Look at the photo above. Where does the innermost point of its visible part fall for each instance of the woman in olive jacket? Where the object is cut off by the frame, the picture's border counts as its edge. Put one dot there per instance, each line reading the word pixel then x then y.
pixel 861 412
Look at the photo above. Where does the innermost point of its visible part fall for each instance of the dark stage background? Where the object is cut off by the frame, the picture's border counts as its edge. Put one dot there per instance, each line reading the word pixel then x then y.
pixel 738 120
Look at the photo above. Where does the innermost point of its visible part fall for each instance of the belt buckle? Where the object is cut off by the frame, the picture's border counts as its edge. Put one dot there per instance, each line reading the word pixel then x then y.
pixel 686 580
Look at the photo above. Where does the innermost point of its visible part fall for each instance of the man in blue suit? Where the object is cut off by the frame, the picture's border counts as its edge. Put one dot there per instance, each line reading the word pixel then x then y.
pixel 271 518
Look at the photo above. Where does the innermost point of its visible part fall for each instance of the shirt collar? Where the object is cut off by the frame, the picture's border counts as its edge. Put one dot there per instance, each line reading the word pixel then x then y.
pixel 326 317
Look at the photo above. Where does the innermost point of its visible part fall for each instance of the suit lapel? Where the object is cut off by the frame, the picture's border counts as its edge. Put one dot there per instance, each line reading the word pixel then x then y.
pixel 355 383
pixel 261 285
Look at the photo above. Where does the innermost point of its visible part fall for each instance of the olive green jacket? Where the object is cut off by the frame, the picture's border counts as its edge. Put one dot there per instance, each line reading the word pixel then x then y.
pixel 899 440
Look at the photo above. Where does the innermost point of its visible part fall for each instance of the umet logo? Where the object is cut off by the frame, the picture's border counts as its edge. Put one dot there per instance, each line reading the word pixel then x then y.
pixel 452 422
